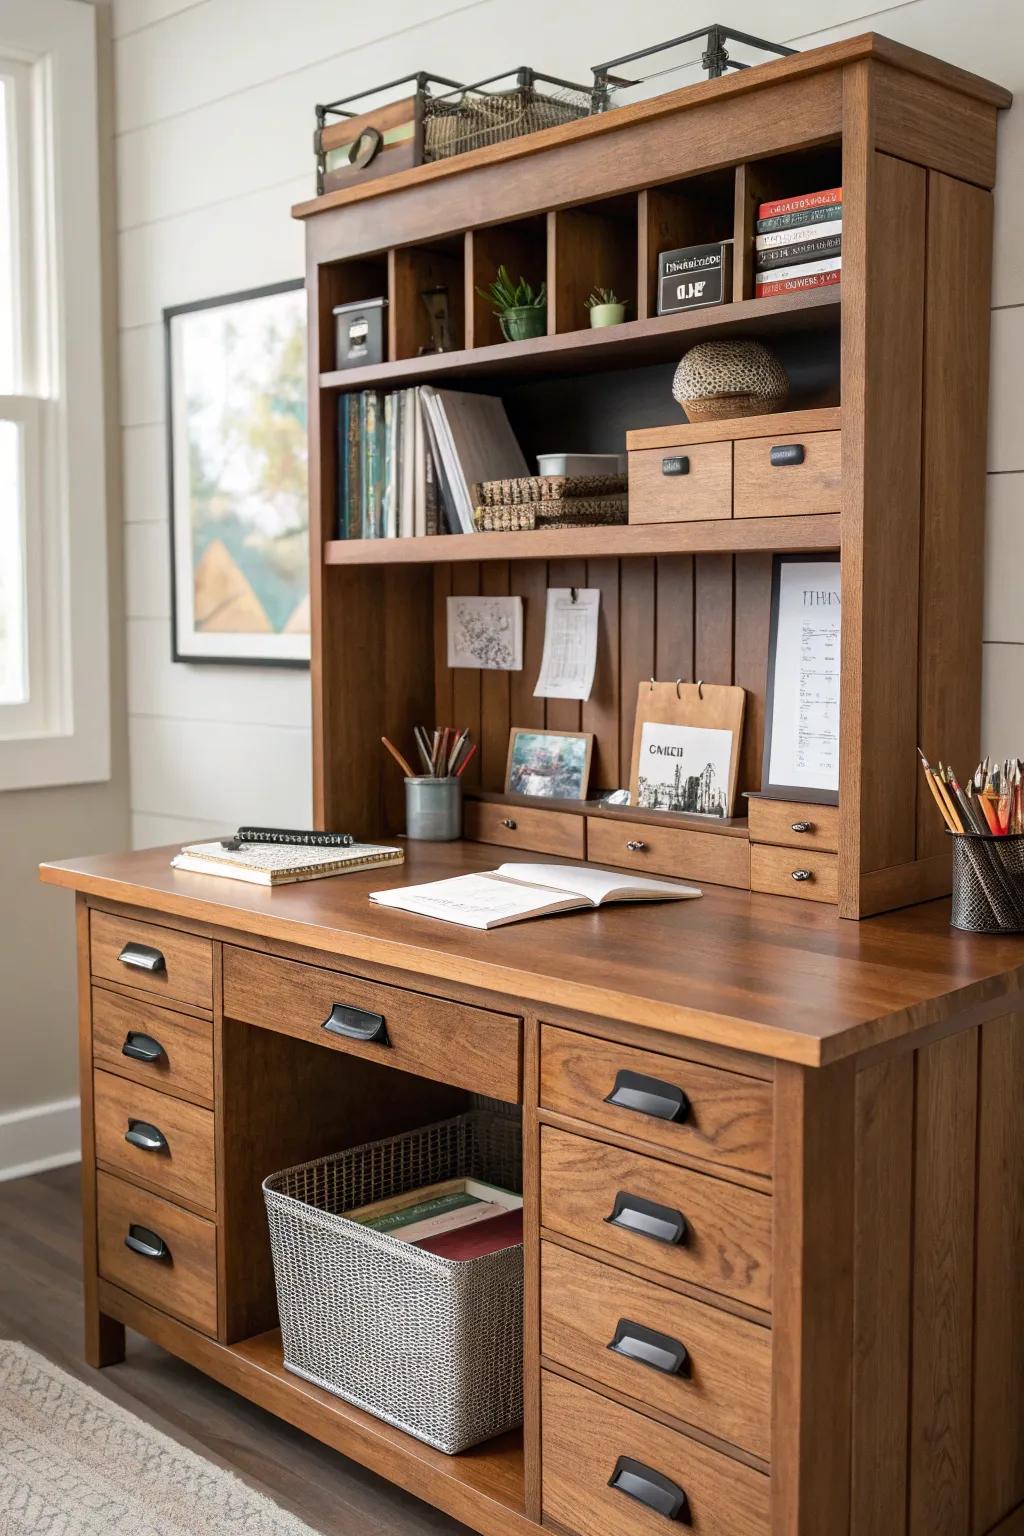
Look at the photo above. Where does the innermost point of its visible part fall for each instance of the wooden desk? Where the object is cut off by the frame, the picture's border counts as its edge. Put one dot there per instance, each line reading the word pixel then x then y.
pixel 852 1169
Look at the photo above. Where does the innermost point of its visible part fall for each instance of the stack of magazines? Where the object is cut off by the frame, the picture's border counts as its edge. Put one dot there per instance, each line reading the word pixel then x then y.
pixel 551 501
pixel 456 1219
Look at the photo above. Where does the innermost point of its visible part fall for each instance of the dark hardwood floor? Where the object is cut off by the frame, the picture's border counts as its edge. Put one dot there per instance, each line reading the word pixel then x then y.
pixel 40 1304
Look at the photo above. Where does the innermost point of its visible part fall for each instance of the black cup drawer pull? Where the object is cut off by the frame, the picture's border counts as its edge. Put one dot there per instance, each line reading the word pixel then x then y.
pixel 142 1047
pixel 651 1488
pixel 787 453
pixel 146 1243
pixel 146 1137
pixel 356 1024
pixel 635 1214
pixel 143 957
pixel 648 1347
pixel 649 1096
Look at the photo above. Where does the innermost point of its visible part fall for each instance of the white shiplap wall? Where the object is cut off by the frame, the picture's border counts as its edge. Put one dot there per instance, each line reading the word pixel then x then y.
pixel 214 113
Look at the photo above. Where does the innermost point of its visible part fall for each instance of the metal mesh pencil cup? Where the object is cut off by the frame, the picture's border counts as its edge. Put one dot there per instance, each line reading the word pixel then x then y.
pixel 434 1346
pixel 988 883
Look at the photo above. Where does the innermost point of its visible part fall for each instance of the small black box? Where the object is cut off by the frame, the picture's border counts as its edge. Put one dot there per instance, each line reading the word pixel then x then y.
pixel 359 333
pixel 696 276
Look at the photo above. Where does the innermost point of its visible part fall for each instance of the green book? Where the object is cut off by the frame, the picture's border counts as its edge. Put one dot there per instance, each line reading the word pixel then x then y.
pixel 421 1211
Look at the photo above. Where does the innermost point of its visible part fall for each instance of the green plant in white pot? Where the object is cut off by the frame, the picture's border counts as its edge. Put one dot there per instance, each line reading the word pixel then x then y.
pixel 521 309
pixel 606 308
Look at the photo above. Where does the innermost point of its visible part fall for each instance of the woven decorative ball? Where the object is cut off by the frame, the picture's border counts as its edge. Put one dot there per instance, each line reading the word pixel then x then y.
pixel 729 378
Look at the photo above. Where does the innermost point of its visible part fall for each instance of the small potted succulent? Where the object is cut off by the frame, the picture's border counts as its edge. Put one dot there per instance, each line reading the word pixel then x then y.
pixel 606 308
pixel 522 311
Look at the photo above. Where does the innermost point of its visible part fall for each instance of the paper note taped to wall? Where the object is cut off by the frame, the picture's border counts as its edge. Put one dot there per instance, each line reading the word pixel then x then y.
pixel 570 643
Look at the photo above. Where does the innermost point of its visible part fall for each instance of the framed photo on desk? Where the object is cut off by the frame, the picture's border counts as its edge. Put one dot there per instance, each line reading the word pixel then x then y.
pixel 801 732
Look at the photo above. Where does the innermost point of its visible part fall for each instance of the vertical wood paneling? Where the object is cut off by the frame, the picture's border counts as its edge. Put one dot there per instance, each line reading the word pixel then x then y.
pixel 636 645
pixel 466 680
pixel 443 706
pixel 999 1309
pixel 940 1428
pixel 564 714
pixel 753 601
pixel 600 713
pixel 713 598
pixel 883 1206
pixel 529 578
pixel 494 693
pixel 673 645
pixel 407 598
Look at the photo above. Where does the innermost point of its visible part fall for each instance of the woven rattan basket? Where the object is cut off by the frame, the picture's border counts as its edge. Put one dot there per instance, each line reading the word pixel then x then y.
pixel 431 1345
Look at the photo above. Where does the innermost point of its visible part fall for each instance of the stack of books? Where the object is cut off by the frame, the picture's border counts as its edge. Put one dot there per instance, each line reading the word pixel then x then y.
pixel 409 461
pixel 799 243
pixel 456 1219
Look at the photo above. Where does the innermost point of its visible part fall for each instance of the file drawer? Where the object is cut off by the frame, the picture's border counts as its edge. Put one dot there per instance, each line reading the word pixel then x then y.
pixel 787 476
pixel 171 965
pixel 172 1142
pixel 790 824
pixel 680 485
pixel 673 1220
pixel 651 849
pixel 722 1116
pixel 665 1473
pixel 157 1251
pixel 167 1051
pixel 516 826
pixel 677 1355
pixel 791 872
pixel 430 1036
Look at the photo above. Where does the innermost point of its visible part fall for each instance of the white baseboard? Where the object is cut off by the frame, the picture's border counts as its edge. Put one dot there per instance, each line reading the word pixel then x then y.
pixel 44 1136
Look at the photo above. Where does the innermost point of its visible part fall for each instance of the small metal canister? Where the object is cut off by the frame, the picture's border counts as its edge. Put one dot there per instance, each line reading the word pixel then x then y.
pixel 359 333
pixel 433 809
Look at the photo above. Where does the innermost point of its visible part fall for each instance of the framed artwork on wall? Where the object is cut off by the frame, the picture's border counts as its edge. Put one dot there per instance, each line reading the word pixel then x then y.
pixel 801 729
pixel 236 453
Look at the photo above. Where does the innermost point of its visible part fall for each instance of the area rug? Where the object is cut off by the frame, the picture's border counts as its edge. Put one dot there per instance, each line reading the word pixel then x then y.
pixel 72 1463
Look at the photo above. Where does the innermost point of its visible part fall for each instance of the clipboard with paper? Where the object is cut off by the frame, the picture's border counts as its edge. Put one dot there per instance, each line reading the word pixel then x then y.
pixel 686 748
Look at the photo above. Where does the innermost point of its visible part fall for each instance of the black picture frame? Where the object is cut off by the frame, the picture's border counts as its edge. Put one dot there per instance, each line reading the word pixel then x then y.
pixel 169 315
pixel 769 790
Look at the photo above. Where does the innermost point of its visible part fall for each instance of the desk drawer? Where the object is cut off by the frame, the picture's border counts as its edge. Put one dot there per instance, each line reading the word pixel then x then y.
pixel 723 1381
pixel 704 1230
pixel 792 825
pixel 700 488
pixel 658 850
pixel 464 1046
pixel 173 966
pixel 179 1273
pixel 181 1160
pixel 722 1116
pixel 584 1437
pixel 791 872
pixel 168 1051
pixel 517 826
pixel 787 489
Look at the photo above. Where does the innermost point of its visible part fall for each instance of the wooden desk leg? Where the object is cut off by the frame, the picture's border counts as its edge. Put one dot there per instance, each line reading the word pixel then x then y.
pixel 104 1336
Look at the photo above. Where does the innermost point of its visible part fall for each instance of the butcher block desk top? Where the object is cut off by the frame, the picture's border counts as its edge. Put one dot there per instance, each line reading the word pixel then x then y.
pixel 786 979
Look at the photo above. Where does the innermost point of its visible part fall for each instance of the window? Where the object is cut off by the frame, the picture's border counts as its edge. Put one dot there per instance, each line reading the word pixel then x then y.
pixel 54 683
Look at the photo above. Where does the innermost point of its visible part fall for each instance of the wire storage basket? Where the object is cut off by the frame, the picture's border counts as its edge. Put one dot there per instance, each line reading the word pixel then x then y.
pixel 433 1346
pixel 477 115
pixel 988 883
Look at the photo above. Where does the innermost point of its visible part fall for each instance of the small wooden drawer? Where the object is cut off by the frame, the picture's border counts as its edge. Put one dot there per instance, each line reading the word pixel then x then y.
pixel 658 850
pixel 157 1251
pixel 703 1230
pixel 722 1116
pixel 517 826
pixel 168 1051
pixel 585 1438
pixel 173 966
pixel 786 872
pixel 172 1145
pixel 429 1036
pixel 680 485
pixel 792 825
pixel 788 475
pixel 679 1356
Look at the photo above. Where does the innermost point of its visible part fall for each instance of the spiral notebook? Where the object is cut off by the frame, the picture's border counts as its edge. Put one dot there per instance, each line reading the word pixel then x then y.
pixel 278 864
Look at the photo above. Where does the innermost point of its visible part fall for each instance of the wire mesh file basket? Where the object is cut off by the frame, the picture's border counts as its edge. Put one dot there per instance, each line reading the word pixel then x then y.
pixel 433 1346
pixel 491 111
pixel 988 883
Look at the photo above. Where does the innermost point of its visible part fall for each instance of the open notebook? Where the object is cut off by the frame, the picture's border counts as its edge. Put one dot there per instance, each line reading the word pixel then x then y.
pixel 518 891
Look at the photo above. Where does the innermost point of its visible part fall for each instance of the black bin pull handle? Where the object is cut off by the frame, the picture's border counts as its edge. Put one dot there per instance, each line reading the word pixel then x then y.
pixel 676 464
pixel 146 1243
pixel 652 1489
pixel 143 957
pixel 356 1024
pixel 647 1219
pixel 787 453
pixel 146 1137
pixel 649 1096
pixel 142 1047
pixel 647 1347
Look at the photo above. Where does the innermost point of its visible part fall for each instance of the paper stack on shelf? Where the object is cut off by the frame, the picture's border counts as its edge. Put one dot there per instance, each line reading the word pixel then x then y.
pixel 799 243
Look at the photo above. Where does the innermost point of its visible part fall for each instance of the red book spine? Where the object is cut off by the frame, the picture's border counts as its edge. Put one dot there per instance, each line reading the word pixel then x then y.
pixel 798 284
pixel 800 204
